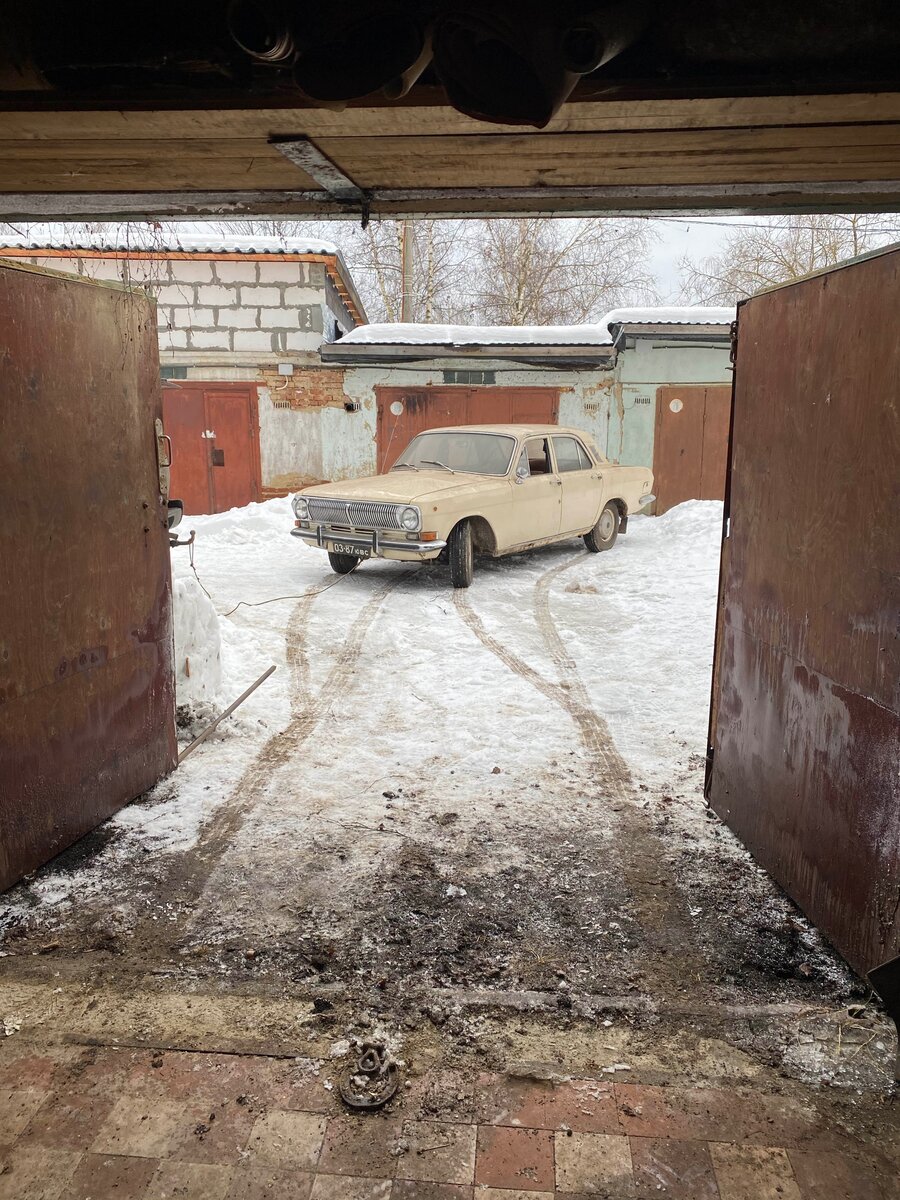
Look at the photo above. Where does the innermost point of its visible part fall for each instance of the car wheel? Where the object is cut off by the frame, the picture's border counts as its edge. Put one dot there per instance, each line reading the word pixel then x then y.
pixel 603 535
pixel 461 553
pixel 343 564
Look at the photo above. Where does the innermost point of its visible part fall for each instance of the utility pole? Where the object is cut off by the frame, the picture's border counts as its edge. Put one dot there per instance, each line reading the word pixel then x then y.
pixel 406 270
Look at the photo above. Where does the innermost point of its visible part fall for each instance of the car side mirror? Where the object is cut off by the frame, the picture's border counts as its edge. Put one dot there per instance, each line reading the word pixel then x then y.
pixel 522 474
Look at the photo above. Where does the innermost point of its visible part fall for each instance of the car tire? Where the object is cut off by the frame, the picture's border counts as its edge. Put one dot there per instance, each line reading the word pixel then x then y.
pixel 603 535
pixel 343 564
pixel 461 553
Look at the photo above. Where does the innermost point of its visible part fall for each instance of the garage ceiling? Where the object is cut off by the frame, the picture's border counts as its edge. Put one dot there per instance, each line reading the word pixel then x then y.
pixel 749 111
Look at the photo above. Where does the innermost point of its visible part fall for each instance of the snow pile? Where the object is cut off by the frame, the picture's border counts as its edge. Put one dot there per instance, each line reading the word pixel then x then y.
pixel 198 644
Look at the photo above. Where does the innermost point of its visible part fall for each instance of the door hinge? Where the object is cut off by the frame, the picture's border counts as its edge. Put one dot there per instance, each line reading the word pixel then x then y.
pixel 163 458
pixel 734 341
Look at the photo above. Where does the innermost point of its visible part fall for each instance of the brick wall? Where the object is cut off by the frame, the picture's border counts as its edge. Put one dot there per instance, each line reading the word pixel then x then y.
pixel 308 387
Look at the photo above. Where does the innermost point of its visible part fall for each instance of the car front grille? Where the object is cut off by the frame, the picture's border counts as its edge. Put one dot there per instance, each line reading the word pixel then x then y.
pixel 357 514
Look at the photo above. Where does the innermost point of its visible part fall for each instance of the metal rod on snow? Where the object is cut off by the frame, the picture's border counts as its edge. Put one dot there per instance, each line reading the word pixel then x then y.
pixel 227 713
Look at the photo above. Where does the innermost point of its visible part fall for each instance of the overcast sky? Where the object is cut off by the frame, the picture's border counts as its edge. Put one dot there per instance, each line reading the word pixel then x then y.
pixel 690 236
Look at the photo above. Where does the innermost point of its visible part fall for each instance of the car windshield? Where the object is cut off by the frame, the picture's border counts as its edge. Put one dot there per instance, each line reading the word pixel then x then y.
pixel 459 450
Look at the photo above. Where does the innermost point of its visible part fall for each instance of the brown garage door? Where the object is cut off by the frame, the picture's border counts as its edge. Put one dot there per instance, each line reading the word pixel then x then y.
pixel 214 429
pixel 403 412
pixel 87 707
pixel 690 444
pixel 806 730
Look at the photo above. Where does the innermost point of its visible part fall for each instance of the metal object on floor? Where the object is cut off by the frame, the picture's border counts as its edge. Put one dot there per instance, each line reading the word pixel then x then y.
pixel 227 713
pixel 371 1081
pixel 886 982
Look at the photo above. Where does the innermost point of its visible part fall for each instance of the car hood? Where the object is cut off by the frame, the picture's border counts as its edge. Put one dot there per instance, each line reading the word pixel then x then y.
pixel 402 487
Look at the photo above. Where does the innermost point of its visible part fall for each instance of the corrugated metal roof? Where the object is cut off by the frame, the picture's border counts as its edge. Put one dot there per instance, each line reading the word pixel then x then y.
pixel 143 238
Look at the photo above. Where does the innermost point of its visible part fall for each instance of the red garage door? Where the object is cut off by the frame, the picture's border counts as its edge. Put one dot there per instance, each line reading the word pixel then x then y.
pixel 404 412
pixel 690 447
pixel 214 429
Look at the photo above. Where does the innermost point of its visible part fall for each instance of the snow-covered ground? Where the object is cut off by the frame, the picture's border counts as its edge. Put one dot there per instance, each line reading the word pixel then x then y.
pixel 638 622
pixel 438 789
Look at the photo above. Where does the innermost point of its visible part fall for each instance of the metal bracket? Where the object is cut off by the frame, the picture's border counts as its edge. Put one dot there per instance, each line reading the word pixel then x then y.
pixel 886 982
pixel 328 175
pixel 163 458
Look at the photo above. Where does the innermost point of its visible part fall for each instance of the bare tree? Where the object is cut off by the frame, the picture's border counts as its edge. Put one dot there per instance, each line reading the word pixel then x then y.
pixel 550 271
pixel 770 252
pixel 530 271
pixel 527 271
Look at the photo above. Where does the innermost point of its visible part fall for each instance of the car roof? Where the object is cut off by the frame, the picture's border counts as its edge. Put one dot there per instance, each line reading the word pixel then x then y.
pixel 510 430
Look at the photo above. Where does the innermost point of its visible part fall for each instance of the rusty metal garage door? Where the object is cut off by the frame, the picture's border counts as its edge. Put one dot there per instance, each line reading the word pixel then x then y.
pixel 86 681
pixel 404 412
pixel 806 733
pixel 214 429
pixel 690 446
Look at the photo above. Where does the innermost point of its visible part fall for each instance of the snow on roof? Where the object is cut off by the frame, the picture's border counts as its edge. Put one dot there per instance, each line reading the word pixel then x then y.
pixel 399 334
pixel 685 314
pixel 601 333
pixel 142 236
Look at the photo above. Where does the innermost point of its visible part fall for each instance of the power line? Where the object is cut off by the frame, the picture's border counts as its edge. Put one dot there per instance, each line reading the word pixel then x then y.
pixel 703 221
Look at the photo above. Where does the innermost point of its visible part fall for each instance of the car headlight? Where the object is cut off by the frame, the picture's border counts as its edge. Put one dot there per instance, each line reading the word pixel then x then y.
pixel 301 508
pixel 410 519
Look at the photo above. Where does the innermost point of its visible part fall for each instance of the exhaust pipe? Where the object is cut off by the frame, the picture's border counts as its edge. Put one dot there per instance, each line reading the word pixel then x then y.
pixel 373 48
pixel 519 68
pixel 262 30
pixel 590 41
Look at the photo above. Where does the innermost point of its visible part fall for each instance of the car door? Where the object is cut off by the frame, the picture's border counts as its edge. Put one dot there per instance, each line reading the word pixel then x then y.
pixel 580 487
pixel 536 492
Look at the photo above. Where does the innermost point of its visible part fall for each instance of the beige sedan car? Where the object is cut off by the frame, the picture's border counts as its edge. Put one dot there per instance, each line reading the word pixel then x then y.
pixel 475 489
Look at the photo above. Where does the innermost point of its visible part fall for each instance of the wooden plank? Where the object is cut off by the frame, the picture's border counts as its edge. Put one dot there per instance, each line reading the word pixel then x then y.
pixel 816 153
pixel 856 194
pixel 598 159
pixel 415 121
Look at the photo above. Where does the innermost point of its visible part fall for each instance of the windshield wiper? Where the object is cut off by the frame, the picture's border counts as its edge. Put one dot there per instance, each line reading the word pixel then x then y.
pixel 433 462
pixel 408 466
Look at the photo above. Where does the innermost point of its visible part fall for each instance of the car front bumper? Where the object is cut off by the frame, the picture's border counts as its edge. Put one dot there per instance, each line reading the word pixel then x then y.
pixel 381 544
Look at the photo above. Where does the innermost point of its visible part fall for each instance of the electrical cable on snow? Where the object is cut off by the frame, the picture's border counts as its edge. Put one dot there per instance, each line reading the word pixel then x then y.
pixel 260 603
pixel 194 569
pixel 274 599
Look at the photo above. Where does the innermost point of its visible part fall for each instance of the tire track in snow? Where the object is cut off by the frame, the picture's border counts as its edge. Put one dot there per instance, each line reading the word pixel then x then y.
pixel 307 711
pixel 671 954
pixel 595 733
pixel 571 694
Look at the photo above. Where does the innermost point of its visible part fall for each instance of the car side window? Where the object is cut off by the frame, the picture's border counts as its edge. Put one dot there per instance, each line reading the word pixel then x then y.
pixel 523 470
pixel 570 455
pixel 537 451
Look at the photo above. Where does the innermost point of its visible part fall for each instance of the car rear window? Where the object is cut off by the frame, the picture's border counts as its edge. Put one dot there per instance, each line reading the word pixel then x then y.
pixel 570 455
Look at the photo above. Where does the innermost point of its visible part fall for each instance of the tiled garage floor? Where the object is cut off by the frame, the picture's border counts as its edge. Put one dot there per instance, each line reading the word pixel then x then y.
pixel 96 1124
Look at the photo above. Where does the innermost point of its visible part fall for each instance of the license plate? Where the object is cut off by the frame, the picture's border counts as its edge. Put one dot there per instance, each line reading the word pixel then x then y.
pixel 356 551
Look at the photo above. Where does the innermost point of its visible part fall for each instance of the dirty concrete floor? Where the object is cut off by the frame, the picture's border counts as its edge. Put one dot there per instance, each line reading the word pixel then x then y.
pixel 442 847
